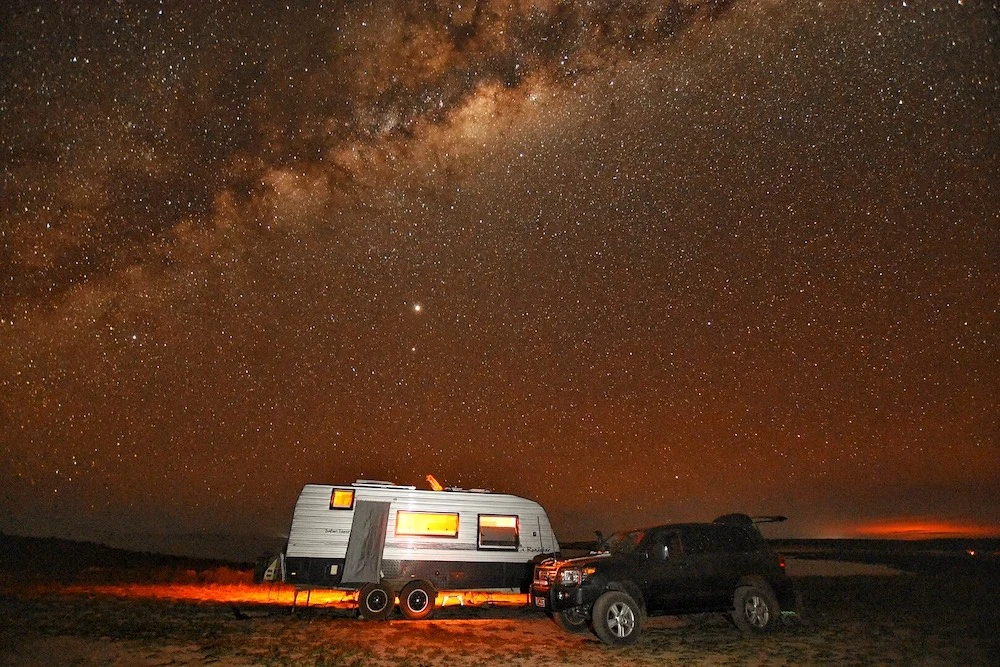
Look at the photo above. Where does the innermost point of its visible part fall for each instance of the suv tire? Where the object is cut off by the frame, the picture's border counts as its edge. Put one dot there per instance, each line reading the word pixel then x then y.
pixel 617 619
pixel 755 610
pixel 572 620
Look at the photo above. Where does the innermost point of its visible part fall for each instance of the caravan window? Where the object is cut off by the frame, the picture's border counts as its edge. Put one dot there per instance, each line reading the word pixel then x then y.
pixel 497 532
pixel 432 524
pixel 342 499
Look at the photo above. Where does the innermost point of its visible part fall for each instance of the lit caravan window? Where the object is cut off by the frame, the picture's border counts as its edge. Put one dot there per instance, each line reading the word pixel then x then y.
pixel 342 499
pixel 497 532
pixel 431 524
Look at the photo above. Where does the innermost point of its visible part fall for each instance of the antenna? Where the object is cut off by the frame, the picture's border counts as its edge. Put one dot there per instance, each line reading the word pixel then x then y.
pixel 435 485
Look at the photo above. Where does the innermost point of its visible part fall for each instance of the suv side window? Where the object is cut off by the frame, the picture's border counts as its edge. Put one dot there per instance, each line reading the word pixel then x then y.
pixel 664 544
pixel 717 539
pixel 740 541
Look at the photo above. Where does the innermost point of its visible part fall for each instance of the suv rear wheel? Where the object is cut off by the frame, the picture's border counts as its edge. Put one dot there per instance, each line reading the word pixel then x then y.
pixel 617 619
pixel 755 610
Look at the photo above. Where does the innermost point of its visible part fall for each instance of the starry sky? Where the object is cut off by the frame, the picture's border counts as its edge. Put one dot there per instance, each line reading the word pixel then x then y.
pixel 645 262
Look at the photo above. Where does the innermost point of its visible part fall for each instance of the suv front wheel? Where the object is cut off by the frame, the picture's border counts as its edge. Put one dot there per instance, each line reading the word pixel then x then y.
pixel 755 610
pixel 617 619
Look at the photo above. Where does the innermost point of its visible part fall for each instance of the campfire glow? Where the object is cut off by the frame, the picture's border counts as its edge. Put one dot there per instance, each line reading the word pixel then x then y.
pixel 279 595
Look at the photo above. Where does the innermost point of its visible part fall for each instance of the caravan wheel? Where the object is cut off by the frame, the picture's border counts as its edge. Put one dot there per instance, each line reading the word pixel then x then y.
pixel 375 602
pixel 416 601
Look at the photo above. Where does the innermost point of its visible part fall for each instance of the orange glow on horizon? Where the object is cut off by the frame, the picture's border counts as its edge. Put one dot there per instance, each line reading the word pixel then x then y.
pixel 917 528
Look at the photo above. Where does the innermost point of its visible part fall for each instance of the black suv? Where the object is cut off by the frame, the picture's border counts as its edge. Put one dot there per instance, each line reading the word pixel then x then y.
pixel 723 566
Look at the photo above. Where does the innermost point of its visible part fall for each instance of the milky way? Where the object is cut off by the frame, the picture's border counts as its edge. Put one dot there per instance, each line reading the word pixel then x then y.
pixel 641 264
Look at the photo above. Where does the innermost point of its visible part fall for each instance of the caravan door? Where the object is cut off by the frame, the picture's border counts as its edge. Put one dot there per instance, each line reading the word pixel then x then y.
pixel 363 560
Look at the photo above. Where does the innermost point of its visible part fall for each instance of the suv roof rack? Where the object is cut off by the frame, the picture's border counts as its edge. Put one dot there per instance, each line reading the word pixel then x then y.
pixel 739 519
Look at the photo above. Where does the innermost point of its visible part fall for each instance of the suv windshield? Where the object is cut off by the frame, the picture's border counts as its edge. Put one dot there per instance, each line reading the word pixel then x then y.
pixel 624 543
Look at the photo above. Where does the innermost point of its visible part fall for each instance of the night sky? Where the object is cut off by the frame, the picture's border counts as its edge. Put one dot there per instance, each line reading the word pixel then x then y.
pixel 641 264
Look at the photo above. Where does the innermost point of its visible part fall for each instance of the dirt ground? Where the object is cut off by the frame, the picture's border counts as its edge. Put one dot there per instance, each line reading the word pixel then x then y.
pixel 850 619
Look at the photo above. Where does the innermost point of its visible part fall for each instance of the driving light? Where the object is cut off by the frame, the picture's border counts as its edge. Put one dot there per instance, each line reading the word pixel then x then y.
pixel 569 577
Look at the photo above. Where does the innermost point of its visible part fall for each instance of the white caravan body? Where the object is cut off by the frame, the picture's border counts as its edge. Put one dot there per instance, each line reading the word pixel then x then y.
pixel 368 532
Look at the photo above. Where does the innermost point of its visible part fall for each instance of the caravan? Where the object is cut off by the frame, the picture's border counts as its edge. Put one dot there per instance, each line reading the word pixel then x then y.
pixel 385 540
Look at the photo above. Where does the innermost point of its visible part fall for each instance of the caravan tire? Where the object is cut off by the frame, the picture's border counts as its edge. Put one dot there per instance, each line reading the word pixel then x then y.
pixel 416 601
pixel 375 602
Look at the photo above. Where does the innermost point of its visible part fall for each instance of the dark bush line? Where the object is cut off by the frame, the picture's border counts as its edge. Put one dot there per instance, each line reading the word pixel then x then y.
pixel 53 559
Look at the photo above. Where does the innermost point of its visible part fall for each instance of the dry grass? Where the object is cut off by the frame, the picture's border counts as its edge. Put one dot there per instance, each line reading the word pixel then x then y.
pixel 920 619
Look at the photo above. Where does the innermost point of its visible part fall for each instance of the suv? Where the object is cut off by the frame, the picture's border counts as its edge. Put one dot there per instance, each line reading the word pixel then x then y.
pixel 723 566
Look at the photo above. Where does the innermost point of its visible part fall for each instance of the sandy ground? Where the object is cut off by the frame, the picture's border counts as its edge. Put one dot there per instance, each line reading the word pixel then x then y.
pixel 832 568
pixel 853 616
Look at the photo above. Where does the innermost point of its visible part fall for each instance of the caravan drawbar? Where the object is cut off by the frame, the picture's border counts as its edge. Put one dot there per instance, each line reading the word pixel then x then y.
pixel 384 540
